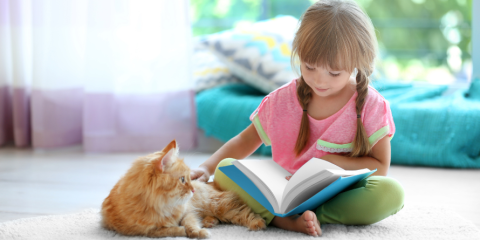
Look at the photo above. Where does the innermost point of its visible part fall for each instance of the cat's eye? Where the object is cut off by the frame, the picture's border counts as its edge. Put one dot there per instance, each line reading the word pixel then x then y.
pixel 182 179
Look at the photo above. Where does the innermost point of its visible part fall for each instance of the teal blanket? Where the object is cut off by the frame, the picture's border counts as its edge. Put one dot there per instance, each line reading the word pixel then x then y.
pixel 431 129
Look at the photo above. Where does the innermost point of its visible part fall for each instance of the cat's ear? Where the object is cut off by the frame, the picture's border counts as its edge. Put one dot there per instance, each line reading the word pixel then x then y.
pixel 170 157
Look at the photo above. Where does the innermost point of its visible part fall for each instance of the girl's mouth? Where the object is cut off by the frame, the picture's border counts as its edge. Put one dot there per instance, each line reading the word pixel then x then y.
pixel 321 89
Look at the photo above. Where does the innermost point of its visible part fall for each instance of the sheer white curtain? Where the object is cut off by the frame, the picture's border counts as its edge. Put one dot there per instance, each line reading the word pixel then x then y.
pixel 114 75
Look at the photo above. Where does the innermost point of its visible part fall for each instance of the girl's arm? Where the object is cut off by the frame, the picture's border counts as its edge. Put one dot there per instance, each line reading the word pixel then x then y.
pixel 239 147
pixel 379 159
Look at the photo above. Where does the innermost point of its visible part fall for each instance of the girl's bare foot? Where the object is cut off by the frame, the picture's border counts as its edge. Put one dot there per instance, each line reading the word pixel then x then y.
pixel 306 223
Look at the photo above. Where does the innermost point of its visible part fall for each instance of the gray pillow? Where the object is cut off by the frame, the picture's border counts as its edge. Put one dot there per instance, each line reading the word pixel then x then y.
pixel 208 70
pixel 258 54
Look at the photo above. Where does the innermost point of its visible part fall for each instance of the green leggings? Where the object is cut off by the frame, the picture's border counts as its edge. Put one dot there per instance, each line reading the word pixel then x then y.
pixel 366 202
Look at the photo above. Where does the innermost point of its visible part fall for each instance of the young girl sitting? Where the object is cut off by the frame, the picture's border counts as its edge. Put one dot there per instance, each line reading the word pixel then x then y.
pixel 329 112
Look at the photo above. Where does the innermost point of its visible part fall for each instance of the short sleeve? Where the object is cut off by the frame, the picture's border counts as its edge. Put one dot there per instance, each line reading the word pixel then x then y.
pixel 261 120
pixel 377 117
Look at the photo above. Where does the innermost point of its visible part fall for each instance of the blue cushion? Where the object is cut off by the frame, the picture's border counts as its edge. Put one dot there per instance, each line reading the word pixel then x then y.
pixel 224 112
pixel 431 129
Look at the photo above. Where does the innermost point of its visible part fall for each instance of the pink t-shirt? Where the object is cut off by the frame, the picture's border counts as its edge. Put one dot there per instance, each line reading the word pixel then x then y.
pixel 278 117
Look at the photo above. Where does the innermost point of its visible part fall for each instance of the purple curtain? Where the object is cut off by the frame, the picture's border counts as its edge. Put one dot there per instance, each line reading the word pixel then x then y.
pixel 111 75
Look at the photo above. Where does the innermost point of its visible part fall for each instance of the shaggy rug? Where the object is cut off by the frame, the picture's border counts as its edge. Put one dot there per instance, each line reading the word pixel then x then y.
pixel 413 222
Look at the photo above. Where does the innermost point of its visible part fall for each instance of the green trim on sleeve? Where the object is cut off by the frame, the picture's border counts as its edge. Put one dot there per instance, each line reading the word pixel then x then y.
pixel 382 132
pixel 263 135
pixel 324 145
pixel 333 145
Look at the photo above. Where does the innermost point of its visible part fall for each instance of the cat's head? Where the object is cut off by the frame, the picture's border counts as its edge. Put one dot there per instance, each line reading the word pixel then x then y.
pixel 161 177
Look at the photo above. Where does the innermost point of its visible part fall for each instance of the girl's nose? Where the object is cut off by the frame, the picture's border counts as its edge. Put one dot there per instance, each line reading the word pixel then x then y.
pixel 318 79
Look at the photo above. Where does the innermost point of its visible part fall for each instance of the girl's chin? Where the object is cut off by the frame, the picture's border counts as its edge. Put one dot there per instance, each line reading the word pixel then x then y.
pixel 326 93
pixel 322 93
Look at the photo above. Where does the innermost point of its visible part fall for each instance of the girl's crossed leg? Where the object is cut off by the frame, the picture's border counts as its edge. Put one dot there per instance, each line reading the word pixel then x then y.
pixel 366 202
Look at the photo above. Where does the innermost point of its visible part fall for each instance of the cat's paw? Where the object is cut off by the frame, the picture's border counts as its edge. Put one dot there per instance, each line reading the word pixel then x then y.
pixel 200 233
pixel 257 224
pixel 168 232
pixel 179 232
pixel 209 221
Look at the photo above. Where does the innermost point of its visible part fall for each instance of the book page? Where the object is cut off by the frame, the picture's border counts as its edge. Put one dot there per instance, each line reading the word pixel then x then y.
pixel 271 174
pixel 308 171
pixel 348 173
pixel 300 195
pixel 314 185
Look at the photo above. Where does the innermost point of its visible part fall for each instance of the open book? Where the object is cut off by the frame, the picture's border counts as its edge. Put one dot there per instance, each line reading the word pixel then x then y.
pixel 314 183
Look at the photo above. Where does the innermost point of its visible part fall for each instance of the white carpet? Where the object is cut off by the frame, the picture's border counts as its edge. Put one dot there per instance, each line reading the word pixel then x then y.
pixel 413 222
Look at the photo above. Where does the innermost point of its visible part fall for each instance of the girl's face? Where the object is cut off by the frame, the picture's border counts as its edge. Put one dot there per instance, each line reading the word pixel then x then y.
pixel 324 81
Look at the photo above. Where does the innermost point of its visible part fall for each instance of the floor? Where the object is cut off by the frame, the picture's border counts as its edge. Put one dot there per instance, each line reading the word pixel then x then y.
pixel 34 183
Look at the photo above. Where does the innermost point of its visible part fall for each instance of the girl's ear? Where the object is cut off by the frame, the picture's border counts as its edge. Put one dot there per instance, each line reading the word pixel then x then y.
pixel 170 157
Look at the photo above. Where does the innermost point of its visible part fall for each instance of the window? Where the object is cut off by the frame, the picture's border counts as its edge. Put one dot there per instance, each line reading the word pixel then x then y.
pixel 419 40
pixel 476 41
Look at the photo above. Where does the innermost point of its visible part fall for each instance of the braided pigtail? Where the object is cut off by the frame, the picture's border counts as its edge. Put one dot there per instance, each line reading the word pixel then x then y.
pixel 361 145
pixel 304 93
pixel 339 35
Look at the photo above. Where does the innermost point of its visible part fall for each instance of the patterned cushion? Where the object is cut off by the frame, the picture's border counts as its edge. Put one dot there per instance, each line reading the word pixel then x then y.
pixel 208 70
pixel 258 54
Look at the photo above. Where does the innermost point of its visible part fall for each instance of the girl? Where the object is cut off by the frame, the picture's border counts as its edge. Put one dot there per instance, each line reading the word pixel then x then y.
pixel 325 113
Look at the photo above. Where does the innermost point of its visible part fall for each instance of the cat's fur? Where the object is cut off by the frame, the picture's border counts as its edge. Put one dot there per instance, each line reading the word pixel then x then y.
pixel 152 200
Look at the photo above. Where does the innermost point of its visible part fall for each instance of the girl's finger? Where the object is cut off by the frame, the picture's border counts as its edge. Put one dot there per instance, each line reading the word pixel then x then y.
pixel 202 178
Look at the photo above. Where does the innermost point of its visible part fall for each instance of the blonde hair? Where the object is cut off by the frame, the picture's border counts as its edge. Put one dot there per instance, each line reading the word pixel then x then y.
pixel 337 34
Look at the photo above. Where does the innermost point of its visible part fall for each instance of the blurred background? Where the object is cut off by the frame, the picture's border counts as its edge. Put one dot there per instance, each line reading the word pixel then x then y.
pixel 419 40
pixel 112 75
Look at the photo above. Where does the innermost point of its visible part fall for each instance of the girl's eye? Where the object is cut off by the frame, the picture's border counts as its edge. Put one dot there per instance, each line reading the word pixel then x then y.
pixel 309 68
pixel 334 75
pixel 182 179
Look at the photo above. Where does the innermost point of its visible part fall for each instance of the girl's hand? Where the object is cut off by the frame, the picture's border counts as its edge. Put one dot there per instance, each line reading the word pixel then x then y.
pixel 200 173
pixel 288 177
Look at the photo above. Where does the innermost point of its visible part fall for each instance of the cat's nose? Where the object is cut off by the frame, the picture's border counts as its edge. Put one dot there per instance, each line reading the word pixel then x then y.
pixel 193 190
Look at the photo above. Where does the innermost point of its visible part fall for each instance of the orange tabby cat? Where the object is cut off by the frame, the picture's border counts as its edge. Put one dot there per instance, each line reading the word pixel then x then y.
pixel 156 198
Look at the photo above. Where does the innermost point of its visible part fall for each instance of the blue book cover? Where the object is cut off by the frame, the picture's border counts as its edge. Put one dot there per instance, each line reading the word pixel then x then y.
pixel 330 191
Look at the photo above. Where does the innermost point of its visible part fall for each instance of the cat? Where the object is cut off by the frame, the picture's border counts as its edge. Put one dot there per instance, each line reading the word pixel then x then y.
pixel 156 198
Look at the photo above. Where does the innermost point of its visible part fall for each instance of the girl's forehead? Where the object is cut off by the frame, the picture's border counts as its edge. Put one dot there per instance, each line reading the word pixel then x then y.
pixel 333 59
